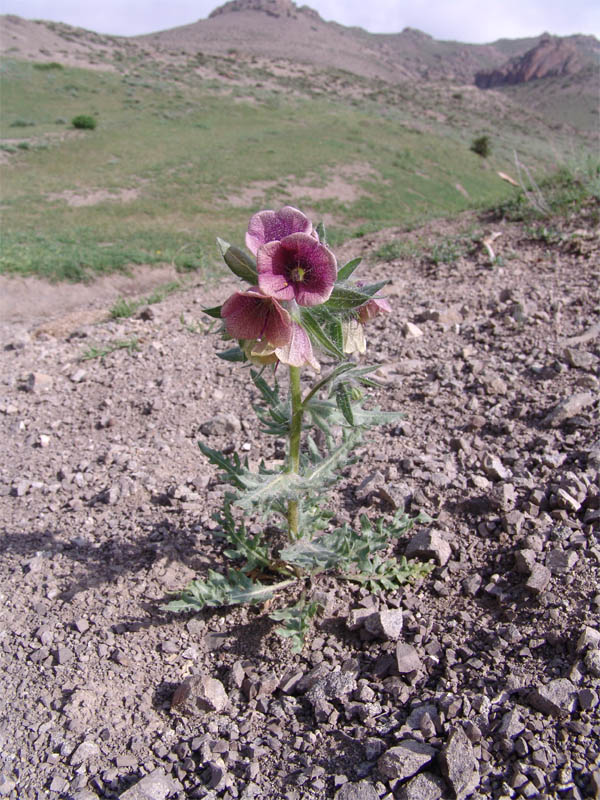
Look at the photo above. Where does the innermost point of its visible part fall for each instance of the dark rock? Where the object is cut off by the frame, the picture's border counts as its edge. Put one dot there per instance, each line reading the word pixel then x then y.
pixel 155 786
pixel 459 765
pixel 539 579
pixel 407 658
pixel 557 698
pixel 199 694
pixel 363 790
pixel 567 408
pixel 425 786
pixel 429 544
pixel 405 759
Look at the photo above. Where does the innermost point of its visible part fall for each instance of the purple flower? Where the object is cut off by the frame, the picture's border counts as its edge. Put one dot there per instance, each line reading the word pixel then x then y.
pixel 298 351
pixel 297 268
pixel 254 315
pixel 375 306
pixel 272 226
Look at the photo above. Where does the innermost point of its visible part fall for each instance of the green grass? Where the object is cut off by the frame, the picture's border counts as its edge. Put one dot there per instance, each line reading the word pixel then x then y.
pixel 131 345
pixel 190 152
pixel 126 308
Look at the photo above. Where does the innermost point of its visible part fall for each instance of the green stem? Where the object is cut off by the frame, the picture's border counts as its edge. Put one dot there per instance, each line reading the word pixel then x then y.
pixel 294 452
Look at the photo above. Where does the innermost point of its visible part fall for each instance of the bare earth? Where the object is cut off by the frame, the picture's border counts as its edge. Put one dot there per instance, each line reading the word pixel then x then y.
pixel 492 689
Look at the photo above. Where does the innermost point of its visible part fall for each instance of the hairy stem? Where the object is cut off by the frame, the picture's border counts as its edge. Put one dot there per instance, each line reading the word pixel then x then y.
pixel 294 452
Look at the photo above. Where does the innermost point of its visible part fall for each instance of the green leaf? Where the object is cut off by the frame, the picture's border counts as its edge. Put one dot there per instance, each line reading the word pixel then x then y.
pixel 233 469
pixel 215 311
pixel 296 622
pixel 312 556
pixel 316 331
pixel 346 271
pixel 263 490
pixel 217 589
pixel 342 398
pixel 367 418
pixel 322 233
pixel 239 262
pixel 346 298
pixel 233 354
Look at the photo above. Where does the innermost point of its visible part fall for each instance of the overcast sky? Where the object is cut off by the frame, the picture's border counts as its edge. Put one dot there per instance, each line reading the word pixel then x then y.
pixel 463 20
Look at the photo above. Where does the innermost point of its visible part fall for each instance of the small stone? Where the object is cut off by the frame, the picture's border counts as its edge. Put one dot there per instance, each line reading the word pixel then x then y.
pixel 587 699
pixel 539 579
pixel 78 376
pixel 199 694
pixel 472 584
pixel 7 784
pixel 363 790
pixel 502 497
pixel 429 544
pixel 494 468
pixel 592 662
pixel 560 562
pixel 221 424
pixel 567 408
pixel 58 785
pixel 155 786
pixel 424 786
pixel 85 752
pixel 459 765
pixel 512 724
pixel 44 440
pixel 39 382
pixel 63 655
pixel 589 637
pixel 525 561
pixel 557 698
pixel 405 759
pixel 386 623
pixel 580 359
pixel 407 658
pixel 412 331
pixel 147 313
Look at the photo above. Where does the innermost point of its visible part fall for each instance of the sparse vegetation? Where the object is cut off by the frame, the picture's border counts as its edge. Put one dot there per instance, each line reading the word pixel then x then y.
pixel 482 146
pixel 131 345
pixel 84 122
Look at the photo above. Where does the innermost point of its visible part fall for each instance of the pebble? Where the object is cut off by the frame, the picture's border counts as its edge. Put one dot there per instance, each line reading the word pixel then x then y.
pixel 86 751
pixel 589 637
pixel 199 694
pixel 567 408
pixel 424 786
pixel 557 698
pixel 539 579
pixel 412 331
pixel 429 544
pixel 39 382
pixel 494 468
pixel 407 658
pixel 363 790
pixel 405 759
pixel 155 786
pixel 386 623
pixel 221 424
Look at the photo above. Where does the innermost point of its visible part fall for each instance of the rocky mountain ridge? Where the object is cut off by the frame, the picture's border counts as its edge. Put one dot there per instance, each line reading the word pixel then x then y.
pixel 553 56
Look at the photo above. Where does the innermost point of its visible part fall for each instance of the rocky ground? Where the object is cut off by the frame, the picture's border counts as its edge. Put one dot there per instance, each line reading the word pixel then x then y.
pixel 481 682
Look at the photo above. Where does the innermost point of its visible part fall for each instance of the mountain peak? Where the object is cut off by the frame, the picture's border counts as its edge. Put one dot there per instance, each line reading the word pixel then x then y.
pixel 274 8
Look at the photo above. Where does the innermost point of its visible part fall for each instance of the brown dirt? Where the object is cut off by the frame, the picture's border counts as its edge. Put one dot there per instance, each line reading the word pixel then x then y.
pixel 106 506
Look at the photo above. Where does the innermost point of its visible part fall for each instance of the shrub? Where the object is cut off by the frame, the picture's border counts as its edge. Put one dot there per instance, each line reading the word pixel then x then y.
pixel 84 122
pixel 481 145
pixel 21 123
pixel 46 65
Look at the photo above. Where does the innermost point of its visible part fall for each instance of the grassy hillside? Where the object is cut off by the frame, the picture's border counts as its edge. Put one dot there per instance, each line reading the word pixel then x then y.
pixel 176 159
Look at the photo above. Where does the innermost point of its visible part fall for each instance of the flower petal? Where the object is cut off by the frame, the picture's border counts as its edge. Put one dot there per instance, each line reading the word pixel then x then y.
pixel 253 315
pixel 298 352
pixel 378 305
pixel 298 267
pixel 269 226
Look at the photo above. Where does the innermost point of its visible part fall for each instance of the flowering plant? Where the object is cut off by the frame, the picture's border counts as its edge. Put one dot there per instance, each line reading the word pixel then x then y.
pixel 299 307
